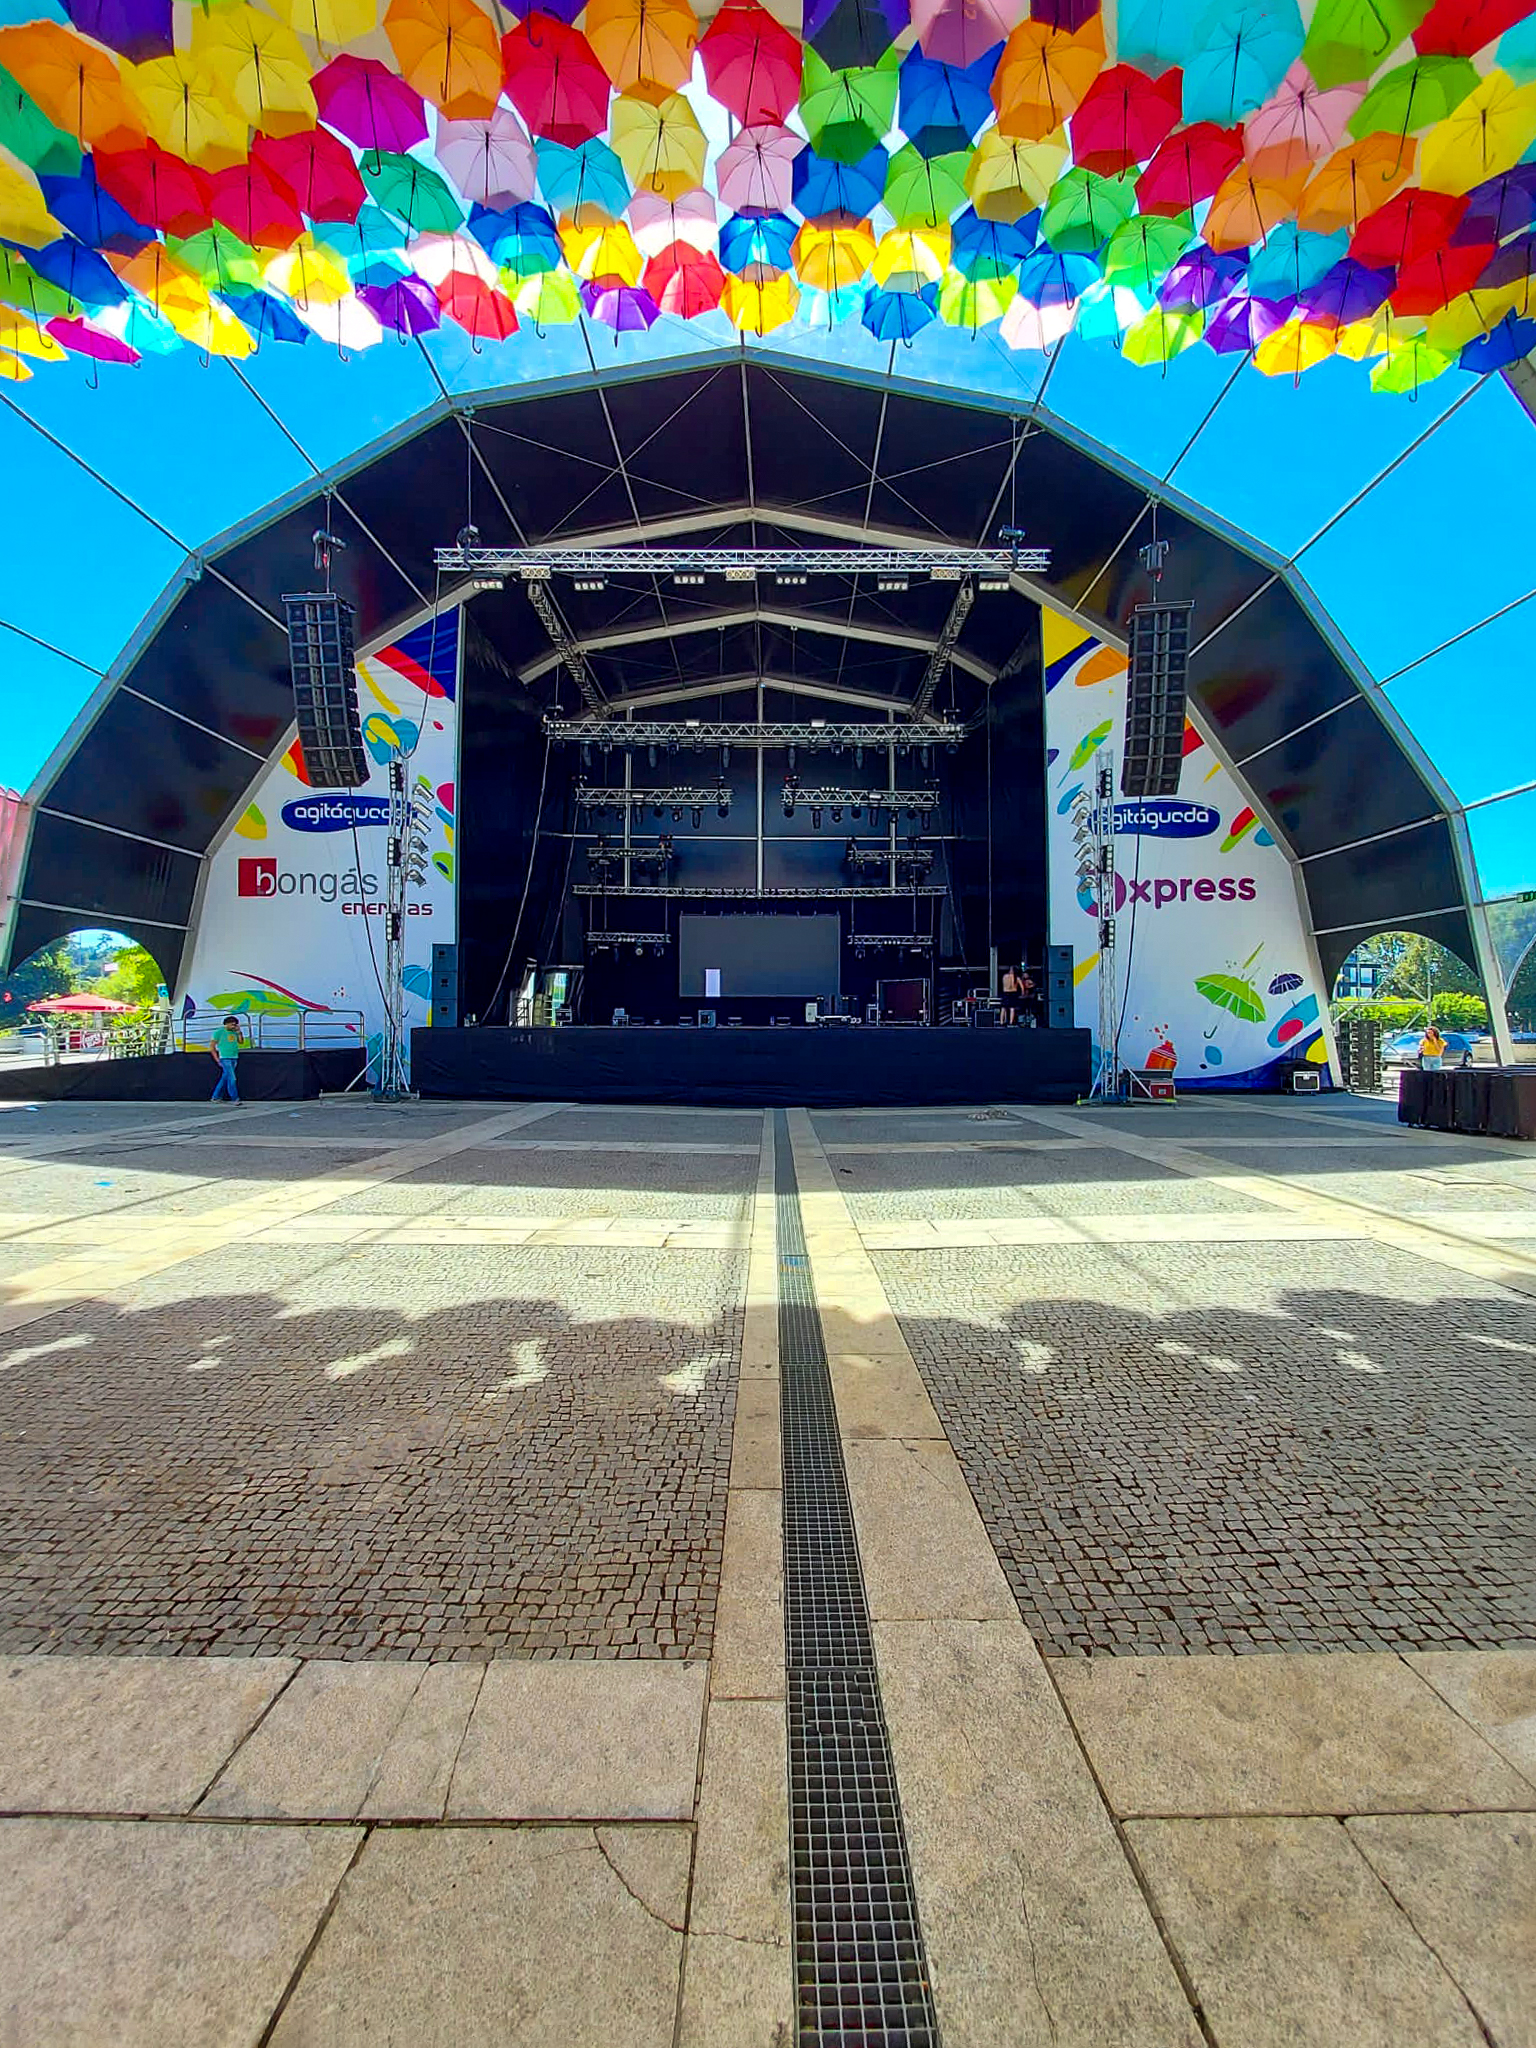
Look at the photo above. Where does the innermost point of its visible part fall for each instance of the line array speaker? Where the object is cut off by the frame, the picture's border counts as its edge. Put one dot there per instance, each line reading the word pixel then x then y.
pixel 1058 988
pixel 1155 693
pixel 322 655
pixel 445 986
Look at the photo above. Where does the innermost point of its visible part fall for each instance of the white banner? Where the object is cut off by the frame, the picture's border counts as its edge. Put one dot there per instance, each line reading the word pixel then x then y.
pixel 1216 983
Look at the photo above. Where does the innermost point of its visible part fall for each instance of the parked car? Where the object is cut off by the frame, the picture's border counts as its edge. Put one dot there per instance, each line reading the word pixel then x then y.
pixel 1402 1049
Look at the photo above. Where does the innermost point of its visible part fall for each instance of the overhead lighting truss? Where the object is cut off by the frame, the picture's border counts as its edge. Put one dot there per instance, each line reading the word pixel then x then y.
pixel 943 648
pixel 742 565
pixel 683 795
pixel 810 733
pixel 613 942
pixel 909 800
pixel 569 653
pixel 753 895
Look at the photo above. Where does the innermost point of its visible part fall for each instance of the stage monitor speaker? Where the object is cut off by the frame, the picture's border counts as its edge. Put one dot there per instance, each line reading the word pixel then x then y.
pixel 1059 1003
pixel 322 657
pixel 1155 693
pixel 445 986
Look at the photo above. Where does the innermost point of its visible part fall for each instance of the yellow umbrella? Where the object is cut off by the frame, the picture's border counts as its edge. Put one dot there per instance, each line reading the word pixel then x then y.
pixel 975 302
pixel 922 253
pixel 1043 75
pixel 74 81
pixel 1470 316
pixel 1248 208
pixel 260 63
pixel 13 369
pixel 200 319
pixel 601 248
pixel 1354 181
pixel 1293 348
pixel 184 108
pixel 831 258
pixel 1159 336
pixel 310 273
pixel 643 42
pixel 1487 133
pixel 24 215
pixel 1362 338
pixel 659 143
pixel 447 49
pixel 330 21
pixel 758 305
pixel 1007 179
pixel 20 333
pixel 551 300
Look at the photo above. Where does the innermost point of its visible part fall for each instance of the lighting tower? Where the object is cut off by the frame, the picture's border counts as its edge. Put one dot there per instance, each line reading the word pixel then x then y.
pixel 405 866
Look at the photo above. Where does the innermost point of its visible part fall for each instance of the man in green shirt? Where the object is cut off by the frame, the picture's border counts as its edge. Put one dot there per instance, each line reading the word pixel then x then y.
pixel 226 1050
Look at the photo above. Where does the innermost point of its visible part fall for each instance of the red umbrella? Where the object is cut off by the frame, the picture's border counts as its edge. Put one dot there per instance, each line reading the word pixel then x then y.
pixel 370 104
pixel 1432 281
pixel 156 188
pixel 752 63
pixel 79 1006
pixel 555 82
pixel 255 204
pixel 684 281
pixel 1413 223
pixel 1189 167
pixel 1123 118
pixel 317 169
pixel 1460 28
pixel 483 314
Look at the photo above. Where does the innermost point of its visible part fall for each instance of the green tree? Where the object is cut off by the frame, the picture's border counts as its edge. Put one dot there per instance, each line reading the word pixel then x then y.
pixel 132 976
pixel 49 972
pixel 1420 971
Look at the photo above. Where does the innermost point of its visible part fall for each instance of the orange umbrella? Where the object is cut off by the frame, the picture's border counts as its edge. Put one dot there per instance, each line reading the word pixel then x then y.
pixel 74 81
pixel 643 42
pixel 1247 208
pixel 1042 76
pixel 448 50
pixel 1355 181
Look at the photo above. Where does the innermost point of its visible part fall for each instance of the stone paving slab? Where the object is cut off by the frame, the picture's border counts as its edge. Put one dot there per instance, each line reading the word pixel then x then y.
pixel 1339 1733
pixel 125 1734
pixel 319 1752
pixel 156 1934
pixel 481 1937
pixel 1467 1882
pixel 1290 1941
pixel 1495 1690
pixel 626 1185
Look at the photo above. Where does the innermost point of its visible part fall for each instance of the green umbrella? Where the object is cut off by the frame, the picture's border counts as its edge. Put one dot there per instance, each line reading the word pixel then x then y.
pixel 1408 364
pixel 1158 337
pixel 1084 209
pixel 1349 38
pixel 1414 96
pixel 1143 249
pixel 975 302
pixel 21 287
pixel 1231 992
pixel 413 192
pixel 922 192
pixel 219 259
pixel 27 132
pixel 848 113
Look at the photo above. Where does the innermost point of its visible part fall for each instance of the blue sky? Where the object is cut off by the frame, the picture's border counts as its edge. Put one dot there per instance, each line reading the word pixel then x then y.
pixel 1412 521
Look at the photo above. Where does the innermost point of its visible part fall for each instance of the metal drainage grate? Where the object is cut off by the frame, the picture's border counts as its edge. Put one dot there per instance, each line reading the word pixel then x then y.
pixel 861 1973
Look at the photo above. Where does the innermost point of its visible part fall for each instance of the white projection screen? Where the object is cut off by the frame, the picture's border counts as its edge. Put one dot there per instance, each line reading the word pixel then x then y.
pixel 760 956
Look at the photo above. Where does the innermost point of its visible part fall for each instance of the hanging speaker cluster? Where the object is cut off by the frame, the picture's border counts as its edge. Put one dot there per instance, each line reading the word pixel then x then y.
pixel 322 656
pixel 1155 693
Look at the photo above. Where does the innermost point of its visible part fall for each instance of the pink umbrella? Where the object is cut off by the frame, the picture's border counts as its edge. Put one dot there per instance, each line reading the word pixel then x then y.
pixel 960 31
pixel 90 341
pixel 656 222
pixel 369 104
pixel 490 161
pixel 1300 125
pixel 755 173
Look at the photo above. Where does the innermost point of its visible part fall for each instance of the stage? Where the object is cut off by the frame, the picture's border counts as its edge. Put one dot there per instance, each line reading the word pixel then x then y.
pixel 817 1066
pixel 184 1077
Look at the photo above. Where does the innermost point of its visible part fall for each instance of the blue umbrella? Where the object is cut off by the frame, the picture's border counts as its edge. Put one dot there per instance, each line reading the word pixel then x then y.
pixel 767 238
pixel 1350 291
pixel 372 235
pixel 1243 51
pixel 991 248
pixel 943 107
pixel 1501 346
pixel 1292 259
pixel 822 187
pixel 1201 278
pixel 524 238
pixel 268 318
pixel 1052 279
pixel 589 176
pixel 93 215
pixel 88 278
pixel 897 316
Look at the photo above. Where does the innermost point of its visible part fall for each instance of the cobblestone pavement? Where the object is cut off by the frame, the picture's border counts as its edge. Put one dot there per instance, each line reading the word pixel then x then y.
pixel 376 1451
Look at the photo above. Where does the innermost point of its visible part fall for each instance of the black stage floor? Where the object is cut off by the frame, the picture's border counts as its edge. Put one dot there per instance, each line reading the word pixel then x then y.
pixel 812 1065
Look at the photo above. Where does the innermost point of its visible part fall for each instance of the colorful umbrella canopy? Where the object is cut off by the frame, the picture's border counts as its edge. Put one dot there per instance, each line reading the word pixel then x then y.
pixel 833 258
pixel 1486 133
pixel 483 313
pixel 1124 117
pixel 30 137
pixel 407 304
pixel 752 64
pixel 91 214
pixel 847 113
pixel 960 31
pixel 898 316
pixel 1008 179
pixel 643 42
pixel 661 145
pixel 157 188
pixel 492 162
pixel 73 81
pixel 852 32
pixel 583 182
pixel 555 81
pixel 183 105
pixel 136 29
pixel 447 50
pixel 260 64
pixel 922 191
pixel 1354 182
pixel 1348 39
pixel 1188 167
pixel 943 107
pixel 1242 56
pixel 823 187
pixel 1299 124
pixel 756 172
pixel 412 191
pixel 989 248
pixel 685 281
pixel 1043 75
pixel 369 104
pixel 1084 209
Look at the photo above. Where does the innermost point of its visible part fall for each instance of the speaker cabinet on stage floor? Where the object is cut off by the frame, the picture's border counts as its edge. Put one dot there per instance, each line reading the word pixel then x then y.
pixel 322 657
pixel 445 986
pixel 1155 692
pixel 1058 988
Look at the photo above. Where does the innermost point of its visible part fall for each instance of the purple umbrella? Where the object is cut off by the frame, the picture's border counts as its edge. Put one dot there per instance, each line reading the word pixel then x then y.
pixel 369 104
pixel 1499 206
pixel 1068 15
pixel 562 10
pixel 1515 263
pixel 407 304
pixel 1200 279
pixel 1242 323
pixel 846 33
pixel 1349 292
pixel 137 29
pixel 623 307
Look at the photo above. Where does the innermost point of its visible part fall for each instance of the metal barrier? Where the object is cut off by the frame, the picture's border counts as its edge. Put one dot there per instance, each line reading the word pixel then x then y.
pixel 277 1031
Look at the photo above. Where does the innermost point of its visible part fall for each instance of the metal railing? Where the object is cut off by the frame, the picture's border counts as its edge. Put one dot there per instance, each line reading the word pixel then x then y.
pixel 276 1031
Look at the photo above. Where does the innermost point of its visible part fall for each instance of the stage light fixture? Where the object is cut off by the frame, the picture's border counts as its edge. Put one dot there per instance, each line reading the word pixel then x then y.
pixel 692 724
pixel 858 757
pixel 923 821
pixel 534 572
pixel 487 582
pixel 698 817
pixel 789 807
pixel 992 583
pixel 858 810
pixel 650 755
pixel 686 578
pixel 890 583
pixel 677 814
pixel 945 572
pixel 741 575
pixel 816 817
pixel 783 579
pixel 589 582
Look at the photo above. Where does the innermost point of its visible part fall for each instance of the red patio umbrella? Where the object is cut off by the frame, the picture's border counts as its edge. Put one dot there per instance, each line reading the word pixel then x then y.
pixel 1413 223
pixel 752 63
pixel 1123 118
pixel 555 81
pixel 79 1006
pixel 255 204
pixel 1432 281
pixel 317 169
pixel 1189 166
pixel 156 188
